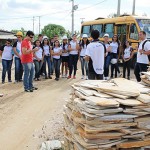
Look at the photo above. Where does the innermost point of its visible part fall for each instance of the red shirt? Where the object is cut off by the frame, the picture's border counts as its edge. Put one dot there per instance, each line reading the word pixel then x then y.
pixel 26 58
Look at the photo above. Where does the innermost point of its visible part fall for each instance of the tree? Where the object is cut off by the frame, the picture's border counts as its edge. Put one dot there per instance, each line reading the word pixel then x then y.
pixel 22 30
pixel 69 33
pixel 52 29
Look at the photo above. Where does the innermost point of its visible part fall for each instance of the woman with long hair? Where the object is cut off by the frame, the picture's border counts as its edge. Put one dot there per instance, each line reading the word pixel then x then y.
pixel 47 60
pixel 127 55
pixel 56 53
pixel 38 59
pixel 84 64
pixel 65 57
pixel 115 54
pixel 73 56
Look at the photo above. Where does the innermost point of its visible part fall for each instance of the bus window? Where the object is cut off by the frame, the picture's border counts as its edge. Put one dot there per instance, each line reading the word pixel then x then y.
pixel 133 32
pixel 99 28
pixel 86 30
pixel 109 28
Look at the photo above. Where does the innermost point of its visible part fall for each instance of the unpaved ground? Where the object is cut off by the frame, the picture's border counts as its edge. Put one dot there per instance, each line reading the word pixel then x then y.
pixel 28 119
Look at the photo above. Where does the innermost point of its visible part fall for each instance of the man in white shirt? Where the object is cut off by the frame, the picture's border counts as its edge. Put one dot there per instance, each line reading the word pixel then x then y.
pixel 142 56
pixel 95 53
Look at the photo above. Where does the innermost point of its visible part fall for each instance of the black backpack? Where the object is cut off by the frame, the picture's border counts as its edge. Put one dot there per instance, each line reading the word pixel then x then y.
pixel 143 47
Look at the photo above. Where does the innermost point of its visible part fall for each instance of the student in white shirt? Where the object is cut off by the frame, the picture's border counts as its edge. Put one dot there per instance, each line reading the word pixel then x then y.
pixel 127 55
pixel 95 54
pixel 6 52
pixel 142 56
pixel 84 64
pixel 65 56
pixel 17 56
pixel 115 54
pixel 107 57
pixel 38 59
pixel 73 56
pixel 47 58
pixel 56 53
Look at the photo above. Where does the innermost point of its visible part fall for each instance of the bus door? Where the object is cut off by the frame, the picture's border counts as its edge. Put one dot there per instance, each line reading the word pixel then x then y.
pixel 122 32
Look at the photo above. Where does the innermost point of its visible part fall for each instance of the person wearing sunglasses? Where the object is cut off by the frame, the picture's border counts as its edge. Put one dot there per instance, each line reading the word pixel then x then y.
pixel 7 56
pixel 17 57
pixel 27 61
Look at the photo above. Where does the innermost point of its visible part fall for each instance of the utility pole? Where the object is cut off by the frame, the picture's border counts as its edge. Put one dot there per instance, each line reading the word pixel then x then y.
pixel 118 9
pixel 39 24
pixel 72 17
pixel 133 9
pixel 33 23
pixel 74 7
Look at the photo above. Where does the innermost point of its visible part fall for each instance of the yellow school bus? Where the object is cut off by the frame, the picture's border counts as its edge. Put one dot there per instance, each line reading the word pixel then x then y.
pixel 126 27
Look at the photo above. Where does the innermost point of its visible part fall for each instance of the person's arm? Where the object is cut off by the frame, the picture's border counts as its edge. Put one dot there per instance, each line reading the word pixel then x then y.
pixel 69 48
pixel 1 50
pixel 36 57
pixel 144 52
pixel 87 54
pixel 28 51
pixel 15 50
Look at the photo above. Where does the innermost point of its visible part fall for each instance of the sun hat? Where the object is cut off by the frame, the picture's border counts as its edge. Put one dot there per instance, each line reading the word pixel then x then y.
pixel 19 33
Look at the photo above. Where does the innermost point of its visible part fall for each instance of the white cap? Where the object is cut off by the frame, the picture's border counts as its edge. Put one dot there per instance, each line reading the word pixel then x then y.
pixel 64 37
pixel 84 36
pixel 106 35
pixel 45 37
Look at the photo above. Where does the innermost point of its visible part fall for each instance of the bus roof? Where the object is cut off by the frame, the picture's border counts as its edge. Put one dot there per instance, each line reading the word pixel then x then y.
pixel 115 20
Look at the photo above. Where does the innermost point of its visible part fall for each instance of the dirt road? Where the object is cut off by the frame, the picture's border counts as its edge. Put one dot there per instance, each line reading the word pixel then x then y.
pixel 27 119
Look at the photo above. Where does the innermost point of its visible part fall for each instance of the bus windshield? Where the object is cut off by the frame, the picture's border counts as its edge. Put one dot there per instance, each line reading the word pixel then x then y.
pixel 144 25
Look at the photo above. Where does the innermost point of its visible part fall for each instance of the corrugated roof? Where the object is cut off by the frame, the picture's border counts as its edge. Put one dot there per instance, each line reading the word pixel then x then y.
pixel 9 36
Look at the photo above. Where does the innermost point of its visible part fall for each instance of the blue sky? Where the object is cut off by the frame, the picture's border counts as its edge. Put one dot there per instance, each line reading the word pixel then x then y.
pixel 15 14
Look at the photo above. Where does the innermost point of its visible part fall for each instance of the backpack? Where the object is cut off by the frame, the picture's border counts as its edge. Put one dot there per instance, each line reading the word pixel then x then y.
pixel 143 47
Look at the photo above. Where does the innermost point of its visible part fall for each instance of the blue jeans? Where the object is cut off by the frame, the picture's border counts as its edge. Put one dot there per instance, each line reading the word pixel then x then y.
pixel 84 64
pixel 28 75
pixel 48 61
pixel 52 66
pixel 38 66
pixel 6 68
pixel 106 65
pixel 57 67
pixel 18 69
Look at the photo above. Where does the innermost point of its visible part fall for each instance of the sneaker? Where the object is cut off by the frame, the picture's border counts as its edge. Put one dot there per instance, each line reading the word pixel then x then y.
pixel 69 77
pixel 63 76
pixel 20 80
pixel 3 82
pixel 26 90
pixel 120 74
pixel 74 77
pixel 38 79
pixel 57 79
pixel 87 78
pixel 128 78
pixel 46 77
pixel 66 76
pixel 34 88
pixel 31 90
pixel 16 81
pixel 9 80
pixel 49 77
pixel 82 77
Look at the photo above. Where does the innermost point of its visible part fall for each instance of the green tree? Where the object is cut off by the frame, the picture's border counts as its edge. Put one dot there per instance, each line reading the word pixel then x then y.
pixel 52 29
pixel 22 30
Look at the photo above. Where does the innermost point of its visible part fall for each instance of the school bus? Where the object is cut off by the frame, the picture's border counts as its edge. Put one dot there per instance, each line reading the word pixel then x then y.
pixel 126 27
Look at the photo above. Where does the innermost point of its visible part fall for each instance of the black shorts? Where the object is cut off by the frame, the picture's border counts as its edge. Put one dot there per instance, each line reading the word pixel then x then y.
pixel 65 58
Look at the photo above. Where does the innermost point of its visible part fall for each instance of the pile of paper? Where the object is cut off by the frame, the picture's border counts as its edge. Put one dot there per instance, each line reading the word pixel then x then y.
pixel 146 78
pixel 104 115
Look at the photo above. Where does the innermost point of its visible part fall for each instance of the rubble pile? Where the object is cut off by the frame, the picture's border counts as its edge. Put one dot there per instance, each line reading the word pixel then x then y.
pixel 102 115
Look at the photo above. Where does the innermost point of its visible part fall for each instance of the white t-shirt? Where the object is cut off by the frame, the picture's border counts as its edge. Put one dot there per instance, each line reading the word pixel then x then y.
pixel 57 50
pixel 114 46
pixel 142 58
pixel 39 53
pixel 107 45
pixel 7 53
pixel 46 49
pixel 18 48
pixel 66 48
pixel 83 50
pixel 127 52
pixel 73 46
pixel 96 51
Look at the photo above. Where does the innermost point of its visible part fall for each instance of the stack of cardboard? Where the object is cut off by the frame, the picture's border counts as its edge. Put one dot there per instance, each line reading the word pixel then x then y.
pixel 104 115
pixel 146 78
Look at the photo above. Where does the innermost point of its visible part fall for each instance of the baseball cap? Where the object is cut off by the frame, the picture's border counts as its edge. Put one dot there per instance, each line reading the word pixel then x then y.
pixel 64 37
pixel 106 35
pixel 84 36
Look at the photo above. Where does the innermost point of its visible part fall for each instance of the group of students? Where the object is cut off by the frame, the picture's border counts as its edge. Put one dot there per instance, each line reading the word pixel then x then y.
pixel 50 55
